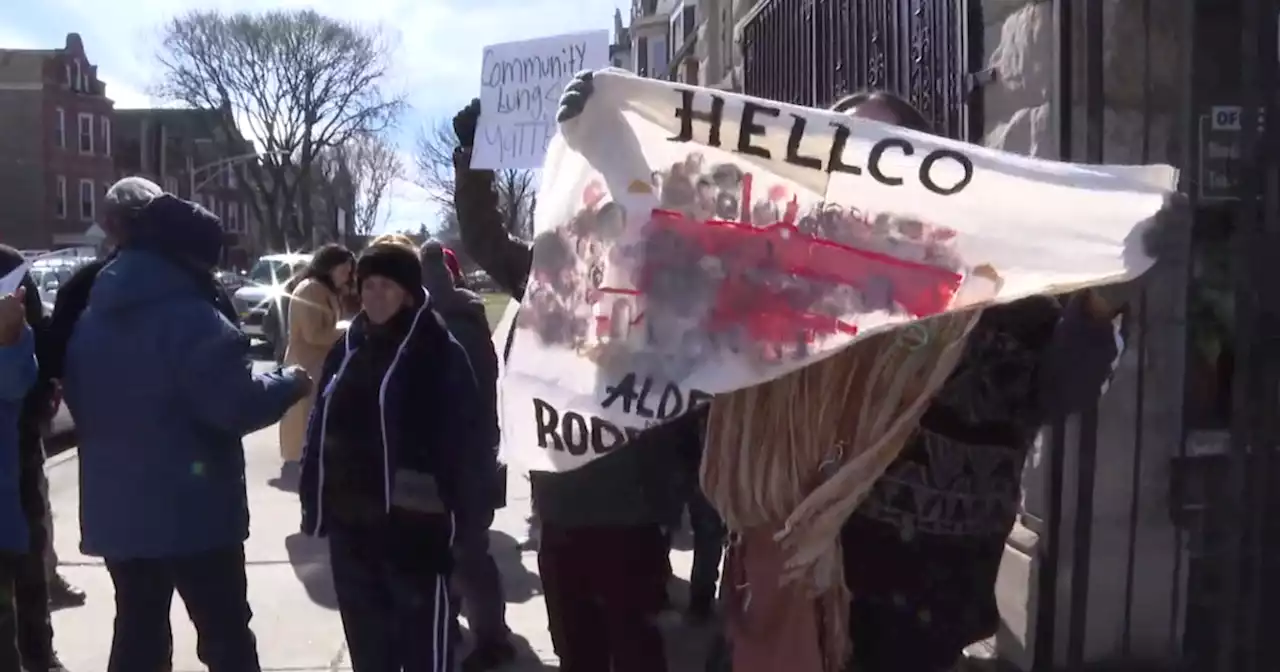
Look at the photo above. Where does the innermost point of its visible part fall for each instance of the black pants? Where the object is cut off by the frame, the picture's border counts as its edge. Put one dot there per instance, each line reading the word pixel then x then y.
pixel 397 618
pixel 214 588
pixel 10 659
pixel 603 590
pixel 479 583
pixel 30 578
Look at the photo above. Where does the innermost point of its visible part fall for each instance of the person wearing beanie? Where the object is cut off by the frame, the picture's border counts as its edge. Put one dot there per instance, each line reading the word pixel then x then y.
pixel 478 578
pixel 159 379
pixel 391 508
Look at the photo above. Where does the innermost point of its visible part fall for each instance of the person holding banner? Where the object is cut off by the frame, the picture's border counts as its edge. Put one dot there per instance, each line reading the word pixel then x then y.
pixel 477 576
pixel 602 555
pixel 398 463
pixel 922 551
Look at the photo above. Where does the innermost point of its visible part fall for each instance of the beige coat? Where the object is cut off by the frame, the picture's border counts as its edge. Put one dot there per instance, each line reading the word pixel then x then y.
pixel 314 311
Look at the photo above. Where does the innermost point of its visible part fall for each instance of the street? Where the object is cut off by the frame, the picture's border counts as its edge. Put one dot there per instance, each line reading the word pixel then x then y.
pixel 295 615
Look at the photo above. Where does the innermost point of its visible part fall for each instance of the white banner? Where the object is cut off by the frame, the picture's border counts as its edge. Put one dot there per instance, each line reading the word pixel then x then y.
pixel 520 87
pixel 692 242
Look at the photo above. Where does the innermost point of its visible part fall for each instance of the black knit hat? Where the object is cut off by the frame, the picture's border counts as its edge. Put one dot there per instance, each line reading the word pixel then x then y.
pixel 397 263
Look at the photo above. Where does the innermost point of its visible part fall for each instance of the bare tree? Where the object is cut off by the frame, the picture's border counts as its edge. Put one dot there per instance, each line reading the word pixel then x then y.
pixel 302 82
pixel 517 190
pixel 372 164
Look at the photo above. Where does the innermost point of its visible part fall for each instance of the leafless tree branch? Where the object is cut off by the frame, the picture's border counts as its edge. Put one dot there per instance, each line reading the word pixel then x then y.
pixel 433 163
pixel 301 82
pixel 372 164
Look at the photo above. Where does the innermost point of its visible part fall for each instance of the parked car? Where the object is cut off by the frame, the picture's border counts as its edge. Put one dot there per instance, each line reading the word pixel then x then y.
pixel 263 302
pixel 231 280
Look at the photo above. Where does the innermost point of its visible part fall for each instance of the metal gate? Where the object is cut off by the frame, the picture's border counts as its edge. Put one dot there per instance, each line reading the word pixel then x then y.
pixel 1227 505
pixel 812 52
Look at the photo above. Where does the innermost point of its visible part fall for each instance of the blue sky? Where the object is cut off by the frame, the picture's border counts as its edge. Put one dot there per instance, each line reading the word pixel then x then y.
pixel 437 61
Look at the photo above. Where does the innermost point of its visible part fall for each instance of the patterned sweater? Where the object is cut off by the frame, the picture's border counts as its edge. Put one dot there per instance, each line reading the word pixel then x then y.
pixel 922 552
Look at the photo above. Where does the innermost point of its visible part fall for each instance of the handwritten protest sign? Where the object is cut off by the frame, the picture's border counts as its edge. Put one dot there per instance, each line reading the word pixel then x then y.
pixel 691 242
pixel 520 87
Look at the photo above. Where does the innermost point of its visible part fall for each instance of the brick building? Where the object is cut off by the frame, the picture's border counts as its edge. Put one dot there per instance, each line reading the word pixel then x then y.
pixel 55 146
pixel 190 154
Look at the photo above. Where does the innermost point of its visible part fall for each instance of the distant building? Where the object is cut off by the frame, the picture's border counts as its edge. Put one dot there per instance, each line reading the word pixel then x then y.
pixel 55 147
pixel 689 41
pixel 190 153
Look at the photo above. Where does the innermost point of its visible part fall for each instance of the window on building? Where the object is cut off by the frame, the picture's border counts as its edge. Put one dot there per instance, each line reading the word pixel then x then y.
pixel 233 217
pixel 658 60
pixel 642 56
pixel 106 136
pixel 86 132
pixel 60 197
pixel 76 77
pixel 690 20
pixel 60 127
pixel 88 200
pixel 66 76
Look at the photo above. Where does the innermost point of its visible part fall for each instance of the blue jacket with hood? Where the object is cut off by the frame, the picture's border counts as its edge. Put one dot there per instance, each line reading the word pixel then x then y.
pixel 162 389
pixel 434 431
pixel 17 375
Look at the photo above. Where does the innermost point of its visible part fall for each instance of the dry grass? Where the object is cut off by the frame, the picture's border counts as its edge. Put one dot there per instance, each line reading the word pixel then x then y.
pixel 494 304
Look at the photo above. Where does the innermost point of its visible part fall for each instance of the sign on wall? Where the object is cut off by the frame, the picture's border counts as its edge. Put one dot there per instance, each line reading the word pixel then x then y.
pixel 520 87
pixel 1222 152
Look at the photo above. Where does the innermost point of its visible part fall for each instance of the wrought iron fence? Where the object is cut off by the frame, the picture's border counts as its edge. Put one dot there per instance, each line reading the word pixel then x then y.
pixel 1220 590
pixel 812 52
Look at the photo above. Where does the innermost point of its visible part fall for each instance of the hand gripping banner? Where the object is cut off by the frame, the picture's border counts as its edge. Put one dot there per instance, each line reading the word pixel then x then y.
pixel 691 242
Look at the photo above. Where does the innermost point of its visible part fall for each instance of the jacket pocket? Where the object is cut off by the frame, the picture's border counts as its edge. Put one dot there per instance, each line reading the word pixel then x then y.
pixel 416 492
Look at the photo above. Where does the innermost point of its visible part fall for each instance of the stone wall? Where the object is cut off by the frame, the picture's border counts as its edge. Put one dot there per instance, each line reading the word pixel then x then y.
pixel 1141 124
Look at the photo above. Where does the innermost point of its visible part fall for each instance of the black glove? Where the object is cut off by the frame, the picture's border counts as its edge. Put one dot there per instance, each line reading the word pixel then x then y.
pixel 1164 236
pixel 574 98
pixel 465 122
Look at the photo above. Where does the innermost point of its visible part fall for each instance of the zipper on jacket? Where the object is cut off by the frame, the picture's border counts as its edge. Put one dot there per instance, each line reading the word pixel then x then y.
pixel 382 402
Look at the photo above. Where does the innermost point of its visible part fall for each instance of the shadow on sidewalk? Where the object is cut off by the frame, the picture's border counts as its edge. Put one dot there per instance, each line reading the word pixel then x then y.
pixel 310 560
pixel 518 583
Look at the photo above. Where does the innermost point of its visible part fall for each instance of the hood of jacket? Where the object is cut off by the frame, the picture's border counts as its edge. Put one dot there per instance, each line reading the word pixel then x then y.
pixel 447 298
pixel 178 229
pixel 138 277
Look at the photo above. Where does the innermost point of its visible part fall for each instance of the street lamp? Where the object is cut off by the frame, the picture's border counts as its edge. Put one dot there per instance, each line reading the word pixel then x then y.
pixel 226 161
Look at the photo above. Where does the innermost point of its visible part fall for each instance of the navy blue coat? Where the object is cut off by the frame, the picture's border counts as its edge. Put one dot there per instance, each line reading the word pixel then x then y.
pixel 17 375
pixel 161 386
pixel 433 422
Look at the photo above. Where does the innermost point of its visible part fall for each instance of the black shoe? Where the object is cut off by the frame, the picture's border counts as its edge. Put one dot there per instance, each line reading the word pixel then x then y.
pixel 63 595
pixel 489 656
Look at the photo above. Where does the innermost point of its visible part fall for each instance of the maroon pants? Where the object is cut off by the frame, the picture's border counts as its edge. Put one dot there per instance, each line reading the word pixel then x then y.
pixel 602 587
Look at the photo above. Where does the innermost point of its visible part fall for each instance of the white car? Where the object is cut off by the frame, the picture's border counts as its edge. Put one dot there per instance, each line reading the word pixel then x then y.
pixel 262 302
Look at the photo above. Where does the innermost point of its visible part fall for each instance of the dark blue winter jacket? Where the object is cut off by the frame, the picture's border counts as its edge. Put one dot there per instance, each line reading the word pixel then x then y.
pixel 162 390
pixel 17 375
pixel 430 446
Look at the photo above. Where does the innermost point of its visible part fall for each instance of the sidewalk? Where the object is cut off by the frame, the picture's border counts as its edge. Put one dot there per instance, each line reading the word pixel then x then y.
pixel 289 586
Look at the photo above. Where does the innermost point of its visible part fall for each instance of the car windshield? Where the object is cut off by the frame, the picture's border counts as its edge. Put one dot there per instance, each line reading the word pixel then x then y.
pixel 269 272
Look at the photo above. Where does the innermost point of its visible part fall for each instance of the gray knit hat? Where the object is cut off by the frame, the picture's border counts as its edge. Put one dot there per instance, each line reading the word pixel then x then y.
pixel 125 199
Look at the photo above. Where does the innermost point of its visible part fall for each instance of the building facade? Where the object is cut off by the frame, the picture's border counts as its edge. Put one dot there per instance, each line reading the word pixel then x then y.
pixel 188 152
pixel 56 147
pixel 1141 542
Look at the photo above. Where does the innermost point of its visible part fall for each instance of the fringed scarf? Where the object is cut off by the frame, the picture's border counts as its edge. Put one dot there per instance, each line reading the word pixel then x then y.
pixel 798 454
